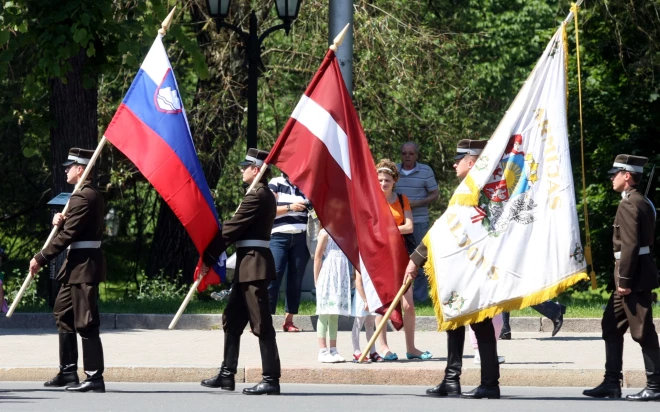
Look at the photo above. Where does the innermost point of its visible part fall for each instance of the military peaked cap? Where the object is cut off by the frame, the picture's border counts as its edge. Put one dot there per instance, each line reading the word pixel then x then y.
pixel 254 157
pixel 78 156
pixel 629 163
pixel 469 147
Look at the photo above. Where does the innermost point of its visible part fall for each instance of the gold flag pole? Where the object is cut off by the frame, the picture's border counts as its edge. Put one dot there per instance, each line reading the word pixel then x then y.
pixel 28 280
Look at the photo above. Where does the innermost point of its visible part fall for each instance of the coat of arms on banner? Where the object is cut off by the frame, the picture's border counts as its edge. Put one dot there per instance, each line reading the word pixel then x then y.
pixel 511 181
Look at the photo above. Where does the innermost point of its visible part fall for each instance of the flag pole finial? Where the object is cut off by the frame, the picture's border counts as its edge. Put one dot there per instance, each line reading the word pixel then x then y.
pixel 165 26
pixel 339 39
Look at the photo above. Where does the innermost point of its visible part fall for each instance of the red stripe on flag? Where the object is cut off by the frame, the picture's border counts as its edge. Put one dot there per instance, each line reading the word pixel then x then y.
pixel 163 168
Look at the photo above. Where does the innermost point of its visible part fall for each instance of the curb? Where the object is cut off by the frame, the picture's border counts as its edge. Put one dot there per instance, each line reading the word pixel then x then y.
pixel 124 321
pixel 346 374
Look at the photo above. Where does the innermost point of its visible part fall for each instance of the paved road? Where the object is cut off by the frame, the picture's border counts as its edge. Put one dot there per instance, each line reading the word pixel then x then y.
pixel 31 396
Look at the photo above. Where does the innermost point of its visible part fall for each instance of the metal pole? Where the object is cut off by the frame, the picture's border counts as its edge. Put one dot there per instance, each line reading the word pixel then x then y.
pixel 253 50
pixel 341 13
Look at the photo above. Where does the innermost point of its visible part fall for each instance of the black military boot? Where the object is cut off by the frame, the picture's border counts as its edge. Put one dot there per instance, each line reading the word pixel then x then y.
pixel 490 373
pixel 611 386
pixel 92 363
pixel 225 378
pixel 652 366
pixel 270 361
pixel 68 374
pixel 451 384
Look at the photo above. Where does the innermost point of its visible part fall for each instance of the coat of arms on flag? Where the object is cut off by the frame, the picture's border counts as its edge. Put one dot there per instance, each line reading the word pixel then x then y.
pixel 510 236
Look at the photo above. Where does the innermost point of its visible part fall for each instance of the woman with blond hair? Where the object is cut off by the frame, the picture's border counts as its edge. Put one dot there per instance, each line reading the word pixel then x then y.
pixel 402 214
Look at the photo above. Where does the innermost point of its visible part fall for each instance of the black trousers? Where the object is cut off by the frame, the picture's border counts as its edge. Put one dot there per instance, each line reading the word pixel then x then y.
pixel 76 311
pixel 249 303
pixel 634 311
pixel 490 367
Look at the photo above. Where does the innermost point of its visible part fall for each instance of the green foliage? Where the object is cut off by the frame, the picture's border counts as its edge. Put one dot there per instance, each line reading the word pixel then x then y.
pixel 432 71
pixel 157 289
pixel 31 297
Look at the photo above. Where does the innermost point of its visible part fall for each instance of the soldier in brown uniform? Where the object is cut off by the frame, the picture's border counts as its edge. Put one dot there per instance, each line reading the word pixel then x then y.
pixel 468 152
pixel 76 305
pixel 635 275
pixel 250 230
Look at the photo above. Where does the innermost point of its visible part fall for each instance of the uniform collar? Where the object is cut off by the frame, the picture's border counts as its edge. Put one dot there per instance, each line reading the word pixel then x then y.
pixel 626 193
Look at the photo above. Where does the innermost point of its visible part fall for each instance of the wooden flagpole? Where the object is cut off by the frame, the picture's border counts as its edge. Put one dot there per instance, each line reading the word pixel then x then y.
pixel 386 317
pixel 28 280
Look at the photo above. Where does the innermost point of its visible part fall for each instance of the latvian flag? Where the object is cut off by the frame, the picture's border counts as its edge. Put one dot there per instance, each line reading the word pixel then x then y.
pixel 325 153
pixel 151 129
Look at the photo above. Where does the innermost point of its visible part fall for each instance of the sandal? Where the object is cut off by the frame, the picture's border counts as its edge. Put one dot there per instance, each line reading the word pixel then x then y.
pixel 391 357
pixel 290 327
pixel 356 358
pixel 423 356
pixel 375 357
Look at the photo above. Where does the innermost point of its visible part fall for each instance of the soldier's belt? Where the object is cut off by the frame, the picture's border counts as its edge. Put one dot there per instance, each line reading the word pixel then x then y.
pixel 253 243
pixel 85 244
pixel 642 251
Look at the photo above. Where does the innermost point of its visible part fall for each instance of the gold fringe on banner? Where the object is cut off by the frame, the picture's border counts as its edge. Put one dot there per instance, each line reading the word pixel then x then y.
pixel 508 306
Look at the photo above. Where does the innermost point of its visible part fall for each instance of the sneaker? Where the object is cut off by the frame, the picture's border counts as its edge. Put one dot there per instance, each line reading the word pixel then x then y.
pixel 337 357
pixel 326 357
pixel 500 359
pixel 356 357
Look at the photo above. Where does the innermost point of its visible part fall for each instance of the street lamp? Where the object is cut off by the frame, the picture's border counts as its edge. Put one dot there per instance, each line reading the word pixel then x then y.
pixel 287 11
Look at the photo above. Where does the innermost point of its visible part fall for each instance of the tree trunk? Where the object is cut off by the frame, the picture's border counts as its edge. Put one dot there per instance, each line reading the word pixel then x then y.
pixel 73 111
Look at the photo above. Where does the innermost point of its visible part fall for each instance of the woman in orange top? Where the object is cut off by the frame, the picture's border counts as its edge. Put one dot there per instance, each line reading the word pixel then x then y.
pixel 400 207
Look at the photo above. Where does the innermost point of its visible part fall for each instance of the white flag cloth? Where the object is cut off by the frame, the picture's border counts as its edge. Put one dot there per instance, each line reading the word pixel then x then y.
pixel 510 236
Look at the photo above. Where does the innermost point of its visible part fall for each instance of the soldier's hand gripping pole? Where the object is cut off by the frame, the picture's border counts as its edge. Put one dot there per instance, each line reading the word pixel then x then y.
pixel 53 232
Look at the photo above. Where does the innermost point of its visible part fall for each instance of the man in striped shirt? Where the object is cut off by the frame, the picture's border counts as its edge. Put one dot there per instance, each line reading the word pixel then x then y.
pixel 288 243
pixel 417 182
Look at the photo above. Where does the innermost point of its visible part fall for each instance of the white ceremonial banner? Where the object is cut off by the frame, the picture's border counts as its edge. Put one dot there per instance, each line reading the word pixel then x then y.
pixel 510 236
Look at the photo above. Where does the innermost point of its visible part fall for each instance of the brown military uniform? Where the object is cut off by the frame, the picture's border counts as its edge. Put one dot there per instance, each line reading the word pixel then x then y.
pixel 255 267
pixel 635 274
pixel 76 305
pixel 633 230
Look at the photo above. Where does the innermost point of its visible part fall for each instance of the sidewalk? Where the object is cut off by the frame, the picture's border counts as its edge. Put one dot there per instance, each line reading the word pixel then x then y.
pixel 122 321
pixel 532 358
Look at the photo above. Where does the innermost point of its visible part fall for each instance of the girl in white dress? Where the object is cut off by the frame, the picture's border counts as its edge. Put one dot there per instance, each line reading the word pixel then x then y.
pixel 332 278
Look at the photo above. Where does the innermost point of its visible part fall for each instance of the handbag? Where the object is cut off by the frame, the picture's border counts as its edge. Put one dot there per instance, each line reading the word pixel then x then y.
pixel 408 239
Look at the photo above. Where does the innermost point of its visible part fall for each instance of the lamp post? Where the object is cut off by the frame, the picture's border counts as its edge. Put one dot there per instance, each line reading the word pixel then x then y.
pixel 287 11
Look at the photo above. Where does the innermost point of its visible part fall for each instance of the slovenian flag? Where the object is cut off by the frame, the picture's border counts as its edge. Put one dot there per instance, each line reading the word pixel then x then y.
pixel 151 129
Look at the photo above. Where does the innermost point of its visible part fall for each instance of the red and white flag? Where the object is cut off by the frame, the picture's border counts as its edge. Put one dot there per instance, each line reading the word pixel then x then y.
pixel 325 153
